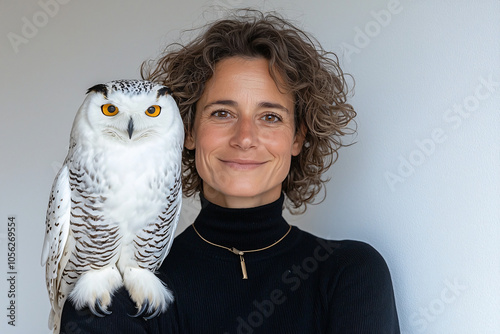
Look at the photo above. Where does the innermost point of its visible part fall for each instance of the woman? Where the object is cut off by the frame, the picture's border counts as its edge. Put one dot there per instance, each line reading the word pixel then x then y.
pixel 264 108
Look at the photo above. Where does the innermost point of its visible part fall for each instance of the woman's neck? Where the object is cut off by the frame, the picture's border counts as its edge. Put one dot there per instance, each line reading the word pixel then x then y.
pixel 240 201
pixel 243 228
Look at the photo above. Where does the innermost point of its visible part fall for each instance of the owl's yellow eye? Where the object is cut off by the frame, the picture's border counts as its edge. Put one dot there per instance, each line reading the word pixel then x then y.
pixel 153 111
pixel 109 109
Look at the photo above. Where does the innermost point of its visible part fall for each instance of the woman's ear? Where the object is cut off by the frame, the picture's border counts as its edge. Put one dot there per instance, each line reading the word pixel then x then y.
pixel 298 141
pixel 189 141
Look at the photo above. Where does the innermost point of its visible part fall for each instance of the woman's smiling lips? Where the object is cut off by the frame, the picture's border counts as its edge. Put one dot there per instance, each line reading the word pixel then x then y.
pixel 242 164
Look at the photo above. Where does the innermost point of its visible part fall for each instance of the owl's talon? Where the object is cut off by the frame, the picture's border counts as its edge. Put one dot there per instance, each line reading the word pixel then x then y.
pixel 149 317
pixel 96 313
pixel 141 311
pixel 101 309
pixel 98 310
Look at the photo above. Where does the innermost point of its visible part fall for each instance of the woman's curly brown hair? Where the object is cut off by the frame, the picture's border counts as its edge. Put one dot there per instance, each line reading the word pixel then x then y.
pixel 311 74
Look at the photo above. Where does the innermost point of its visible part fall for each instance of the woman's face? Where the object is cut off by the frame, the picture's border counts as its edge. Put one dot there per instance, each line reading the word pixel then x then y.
pixel 243 135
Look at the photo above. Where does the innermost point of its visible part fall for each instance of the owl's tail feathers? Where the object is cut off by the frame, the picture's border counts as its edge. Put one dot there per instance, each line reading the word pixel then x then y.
pixel 150 294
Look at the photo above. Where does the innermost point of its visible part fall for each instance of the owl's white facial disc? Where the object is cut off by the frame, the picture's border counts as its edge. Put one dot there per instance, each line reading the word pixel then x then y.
pixel 130 111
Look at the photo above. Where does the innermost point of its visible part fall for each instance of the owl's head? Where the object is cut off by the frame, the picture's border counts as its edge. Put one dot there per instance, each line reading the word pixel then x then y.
pixel 128 111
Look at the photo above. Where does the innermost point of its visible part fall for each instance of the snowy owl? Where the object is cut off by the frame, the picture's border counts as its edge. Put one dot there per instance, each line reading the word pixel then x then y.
pixel 115 202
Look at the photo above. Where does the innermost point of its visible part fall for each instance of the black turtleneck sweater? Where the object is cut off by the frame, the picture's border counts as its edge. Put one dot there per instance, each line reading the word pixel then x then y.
pixel 303 284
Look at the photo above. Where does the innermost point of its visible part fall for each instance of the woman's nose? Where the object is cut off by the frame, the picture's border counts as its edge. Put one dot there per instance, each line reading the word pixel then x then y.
pixel 245 134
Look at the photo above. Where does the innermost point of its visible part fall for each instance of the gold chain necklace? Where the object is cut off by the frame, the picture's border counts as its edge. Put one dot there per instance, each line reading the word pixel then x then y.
pixel 241 253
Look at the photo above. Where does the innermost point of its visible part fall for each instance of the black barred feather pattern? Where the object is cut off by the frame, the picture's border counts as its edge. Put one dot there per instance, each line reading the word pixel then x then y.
pixel 153 242
pixel 96 240
pixel 115 203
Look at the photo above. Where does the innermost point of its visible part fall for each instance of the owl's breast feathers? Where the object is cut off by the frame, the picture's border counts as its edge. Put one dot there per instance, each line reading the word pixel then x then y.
pixel 128 186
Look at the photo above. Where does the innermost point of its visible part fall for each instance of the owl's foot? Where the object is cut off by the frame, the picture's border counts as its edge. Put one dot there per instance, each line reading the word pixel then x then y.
pixel 94 290
pixel 149 293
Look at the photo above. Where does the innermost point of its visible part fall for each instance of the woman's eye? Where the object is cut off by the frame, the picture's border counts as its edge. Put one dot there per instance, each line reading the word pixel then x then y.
pixel 271 118
pixel 221 113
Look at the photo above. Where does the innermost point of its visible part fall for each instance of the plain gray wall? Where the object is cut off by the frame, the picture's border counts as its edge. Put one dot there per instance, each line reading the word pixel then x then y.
pixel 421 184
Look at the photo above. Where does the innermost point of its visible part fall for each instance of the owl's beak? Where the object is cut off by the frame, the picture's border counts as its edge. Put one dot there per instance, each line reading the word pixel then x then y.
pixel 130 128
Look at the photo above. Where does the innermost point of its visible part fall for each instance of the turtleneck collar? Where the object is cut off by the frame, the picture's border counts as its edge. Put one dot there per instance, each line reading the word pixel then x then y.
pixel 245 229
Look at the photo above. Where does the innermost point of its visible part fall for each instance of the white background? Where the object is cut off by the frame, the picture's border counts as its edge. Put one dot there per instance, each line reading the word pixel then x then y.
pixel 421 184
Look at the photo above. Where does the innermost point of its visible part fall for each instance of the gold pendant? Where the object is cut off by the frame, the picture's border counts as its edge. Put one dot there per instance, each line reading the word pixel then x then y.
pixel 242 262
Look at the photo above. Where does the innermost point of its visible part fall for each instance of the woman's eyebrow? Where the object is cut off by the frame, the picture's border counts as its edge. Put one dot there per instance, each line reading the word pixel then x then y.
pixel 230 103
pixel 271 105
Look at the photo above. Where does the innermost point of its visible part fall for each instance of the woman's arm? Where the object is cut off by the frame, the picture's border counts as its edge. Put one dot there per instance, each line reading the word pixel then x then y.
pixel 363 298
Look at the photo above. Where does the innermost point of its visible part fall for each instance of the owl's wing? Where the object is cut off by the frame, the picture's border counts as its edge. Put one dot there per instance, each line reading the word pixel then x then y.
pixel 153 242
pixel 173 226
pixel 57 230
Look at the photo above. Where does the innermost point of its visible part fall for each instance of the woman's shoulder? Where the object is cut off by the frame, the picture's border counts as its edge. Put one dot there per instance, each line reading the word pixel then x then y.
pixel 346 253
